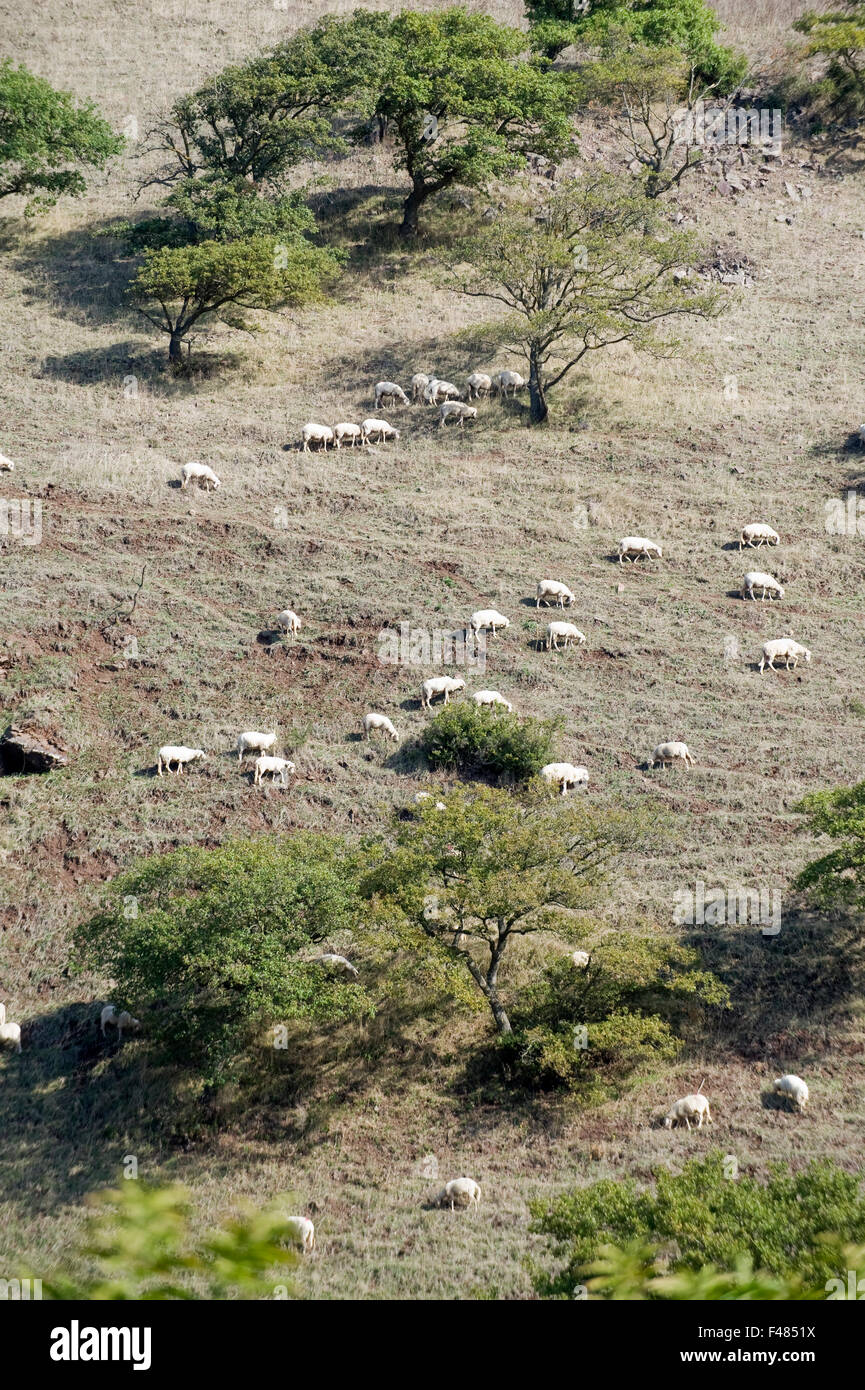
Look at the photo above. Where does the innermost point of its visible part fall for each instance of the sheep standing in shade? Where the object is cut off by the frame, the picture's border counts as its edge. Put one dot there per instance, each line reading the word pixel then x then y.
pixel 338 963
pixel 505 382
pixel 389 391
pixel 110 1018
pixel 793 1088
pixel 479 384
pixel 419 383
pixel 456 410
pixel 10 1035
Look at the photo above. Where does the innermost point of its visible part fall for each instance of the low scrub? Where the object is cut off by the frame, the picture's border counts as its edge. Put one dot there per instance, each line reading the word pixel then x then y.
pixel 480 742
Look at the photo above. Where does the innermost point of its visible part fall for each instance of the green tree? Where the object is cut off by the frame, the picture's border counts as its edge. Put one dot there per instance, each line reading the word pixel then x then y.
pixel 465 738
pixel 589 268
pixel 836 878
pixel 492 867
pixel 219 945
pixel 838 35
pixel 45 136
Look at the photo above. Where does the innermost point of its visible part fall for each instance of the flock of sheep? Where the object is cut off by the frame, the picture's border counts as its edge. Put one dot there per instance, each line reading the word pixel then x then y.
pixel 696 1106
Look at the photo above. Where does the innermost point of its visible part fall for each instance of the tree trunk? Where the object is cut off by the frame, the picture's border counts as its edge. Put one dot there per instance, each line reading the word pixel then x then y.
pixel 175 349
pixel 411 210
pixel 538 409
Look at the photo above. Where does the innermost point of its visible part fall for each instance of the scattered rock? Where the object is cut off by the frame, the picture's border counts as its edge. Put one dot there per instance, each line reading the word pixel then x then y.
pixel 31 749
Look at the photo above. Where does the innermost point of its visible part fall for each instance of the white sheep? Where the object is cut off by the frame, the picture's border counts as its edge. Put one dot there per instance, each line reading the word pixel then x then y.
pixel 581 959
pixel 277 768
pixel 440 685
pixel 551 591
pixel 419 383
pixel 633 547
pixel 757 534
pixel 565 775
pixel 302 1232
pixel 287 621
pixel 456 410
pixel 783 647
pixel 794 1088
pixel 347 431
pixel 421 797
pixel 377 429
pixel 459 1192
pixel 176 753
pixel 335 962
pixel 317 434
pixel 503 382
pixel 688 1108
pixel 479 384
pixel 667 753
pixel 491 698
pixel 766 583
pixel 252 742
pixel 389 391
pixel 567 631
pixel 119 1020
pixel 200 474
pixel 488 620
pixel 6 465
pixel 437 391
pixel 379 721
pixel 10 1033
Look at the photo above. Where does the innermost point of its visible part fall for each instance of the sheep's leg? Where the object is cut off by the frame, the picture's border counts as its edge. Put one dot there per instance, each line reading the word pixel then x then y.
pixel 687 1122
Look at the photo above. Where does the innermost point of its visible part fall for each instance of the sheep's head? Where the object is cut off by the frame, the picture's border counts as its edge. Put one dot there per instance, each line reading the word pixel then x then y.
pixel 668 1121
pixel 780 590
pixel 458 683
pixel 806 654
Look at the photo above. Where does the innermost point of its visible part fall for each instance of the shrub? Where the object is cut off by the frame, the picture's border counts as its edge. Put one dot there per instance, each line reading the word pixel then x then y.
pixel 475 741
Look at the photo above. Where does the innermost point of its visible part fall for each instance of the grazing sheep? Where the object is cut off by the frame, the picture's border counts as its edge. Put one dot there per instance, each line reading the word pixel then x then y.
pixel 564 775
pixel 566 631
pixel 457 410
pixel 317 434
pixel 783 647
pixel 490 698
pixel 111 1017
pixel 437 391
pixel 757 534
pixel 440 685
pixel 6 465
pixel 272 767
pixel 302 1232
pixel 688 1109
pixel 199 473
pixel 419 384
pixel 667 753
pixel 252 742
pixel 379 721
pixel 176 753
pixel 421 797
pixel 378 429
pixel 479 384
pixel 755 579
pixel 335 962
pixel 488 620
pixel 503 382
pixel 794 1088
pixel 459 1192
pixel 633 547
pixel 551 591
pixel 287 621
pixel 389 391
pixel 10 1033
pixel 345 430
pixel 581 959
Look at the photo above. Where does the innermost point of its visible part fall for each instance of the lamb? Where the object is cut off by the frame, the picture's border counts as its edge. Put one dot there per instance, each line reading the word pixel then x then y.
pixel 508 381
pixel 491 698
pixel 479 384
pixel 200 473
pixel 766 583
pixel 456 410
pixel 551 591
pixel 794 1088
pixel 419 384
pixel 379 429
pixel 335 962
pixel 272 767
pixel 437 391
pixel 564 775
pixel 302 1232
pixel 687 1109
pixel 287 621
pixel 176 753
pixel 345 430
pixel 783 647
pixel 757 534
pixel 667 753
pixel 459 1192
pixel 253 742
pixel 440 685
pixel 633 547
pixel 488 620
pixel 10 1033
pixel 379 721
pixel 581 959
pixel 568 631
pixel 388 390
pixel 124 1019
pixel 6 465
pixel 317 434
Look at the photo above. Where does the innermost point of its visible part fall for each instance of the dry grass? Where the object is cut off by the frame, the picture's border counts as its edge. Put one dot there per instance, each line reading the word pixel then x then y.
pixel 423 532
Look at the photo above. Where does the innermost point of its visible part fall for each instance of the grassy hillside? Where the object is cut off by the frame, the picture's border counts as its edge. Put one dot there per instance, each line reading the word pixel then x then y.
pixel 423 532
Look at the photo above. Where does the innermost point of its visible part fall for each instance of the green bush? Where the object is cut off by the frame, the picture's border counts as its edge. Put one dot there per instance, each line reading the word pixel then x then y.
pixel 478 742
pixel 704 1218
